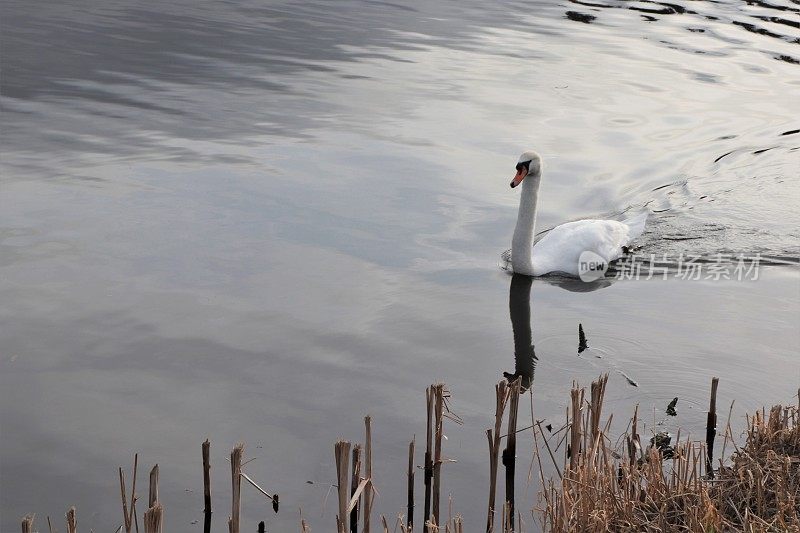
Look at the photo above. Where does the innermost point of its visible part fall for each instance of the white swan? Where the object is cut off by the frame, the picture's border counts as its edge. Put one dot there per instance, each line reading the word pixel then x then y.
pixel 560 249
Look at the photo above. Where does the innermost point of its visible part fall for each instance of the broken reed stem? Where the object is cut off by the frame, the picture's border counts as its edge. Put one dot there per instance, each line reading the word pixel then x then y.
pixel 368 472
pixel 354 481
pixel 410 476
pixel 206 486
pixel 129 511
pixel 152 518
pixel 72 521
pixel 510 453
pixel 342 454
pixel 428 452
pixel 598 391
pixel 575 427
pixel 27 523
pixel 153 493
pixel 134 498
pixel 437 458
pixel 501 397
pixel 549 450
pixel 711 428
pixel 236 487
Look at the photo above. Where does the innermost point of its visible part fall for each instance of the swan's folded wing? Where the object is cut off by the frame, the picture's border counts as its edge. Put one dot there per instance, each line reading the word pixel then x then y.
pixel 561 248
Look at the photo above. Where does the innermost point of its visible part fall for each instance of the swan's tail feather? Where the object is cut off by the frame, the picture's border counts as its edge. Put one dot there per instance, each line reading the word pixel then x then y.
pixel 636 225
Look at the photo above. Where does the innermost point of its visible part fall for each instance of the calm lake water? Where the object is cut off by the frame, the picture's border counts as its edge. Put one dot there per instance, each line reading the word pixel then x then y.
pixel 262 221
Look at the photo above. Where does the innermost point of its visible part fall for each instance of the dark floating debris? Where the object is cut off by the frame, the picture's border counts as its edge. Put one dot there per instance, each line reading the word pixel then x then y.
pixel 661 441
pixel 790 132
pixel 762 150
pixel 549 428
pixel 723 155
pixel 582 344
pixel 628 379
pixel 671 407
pixel 580 17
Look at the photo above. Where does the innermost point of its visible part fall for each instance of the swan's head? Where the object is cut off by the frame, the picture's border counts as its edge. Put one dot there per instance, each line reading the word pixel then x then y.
pixel 529 164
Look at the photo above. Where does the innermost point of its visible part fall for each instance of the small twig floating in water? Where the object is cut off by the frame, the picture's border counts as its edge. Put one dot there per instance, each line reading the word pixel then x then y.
pixel 628 378
pixel 271 497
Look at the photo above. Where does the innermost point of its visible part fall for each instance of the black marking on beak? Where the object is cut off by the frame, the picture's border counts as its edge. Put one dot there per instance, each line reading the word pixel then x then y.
pixel 522 165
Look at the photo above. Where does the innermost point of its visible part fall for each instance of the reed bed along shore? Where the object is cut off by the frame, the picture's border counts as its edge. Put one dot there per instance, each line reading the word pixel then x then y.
pixel 598 483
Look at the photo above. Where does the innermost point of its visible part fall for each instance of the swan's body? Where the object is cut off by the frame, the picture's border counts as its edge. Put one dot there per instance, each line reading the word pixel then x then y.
pixel 560 249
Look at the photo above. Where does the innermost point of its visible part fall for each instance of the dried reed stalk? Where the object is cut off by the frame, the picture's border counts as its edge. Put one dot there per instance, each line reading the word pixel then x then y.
pixel 429 400
pixel 437 458
pixel 758 490
pixel 129 511
pixel 501 398
pixel 354 481
pixel 27 523
pixel 711 428
pixel 236 488
pixel 368 473
pixel 72 521
pixel 153 493
pixel 576 398
pixel 206 486
pixel 598 391
pixel 410 480
pixel 510 453
pixel 342 454
pixel 153 517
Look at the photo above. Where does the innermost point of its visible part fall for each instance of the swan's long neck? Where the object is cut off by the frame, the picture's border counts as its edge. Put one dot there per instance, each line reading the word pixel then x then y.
pixel 522 243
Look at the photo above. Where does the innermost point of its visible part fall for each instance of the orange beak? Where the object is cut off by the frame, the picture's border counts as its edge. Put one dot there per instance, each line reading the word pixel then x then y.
pixel 519 177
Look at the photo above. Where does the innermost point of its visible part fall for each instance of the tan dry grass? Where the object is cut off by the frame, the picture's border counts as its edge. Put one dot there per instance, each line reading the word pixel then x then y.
pixel 758 490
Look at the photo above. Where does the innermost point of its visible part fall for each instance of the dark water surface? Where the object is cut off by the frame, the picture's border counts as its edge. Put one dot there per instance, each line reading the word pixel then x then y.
pixel 261 221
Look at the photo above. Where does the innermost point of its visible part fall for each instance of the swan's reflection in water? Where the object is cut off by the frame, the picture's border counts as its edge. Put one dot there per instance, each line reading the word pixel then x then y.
pixel 575 284
pixel 519 304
